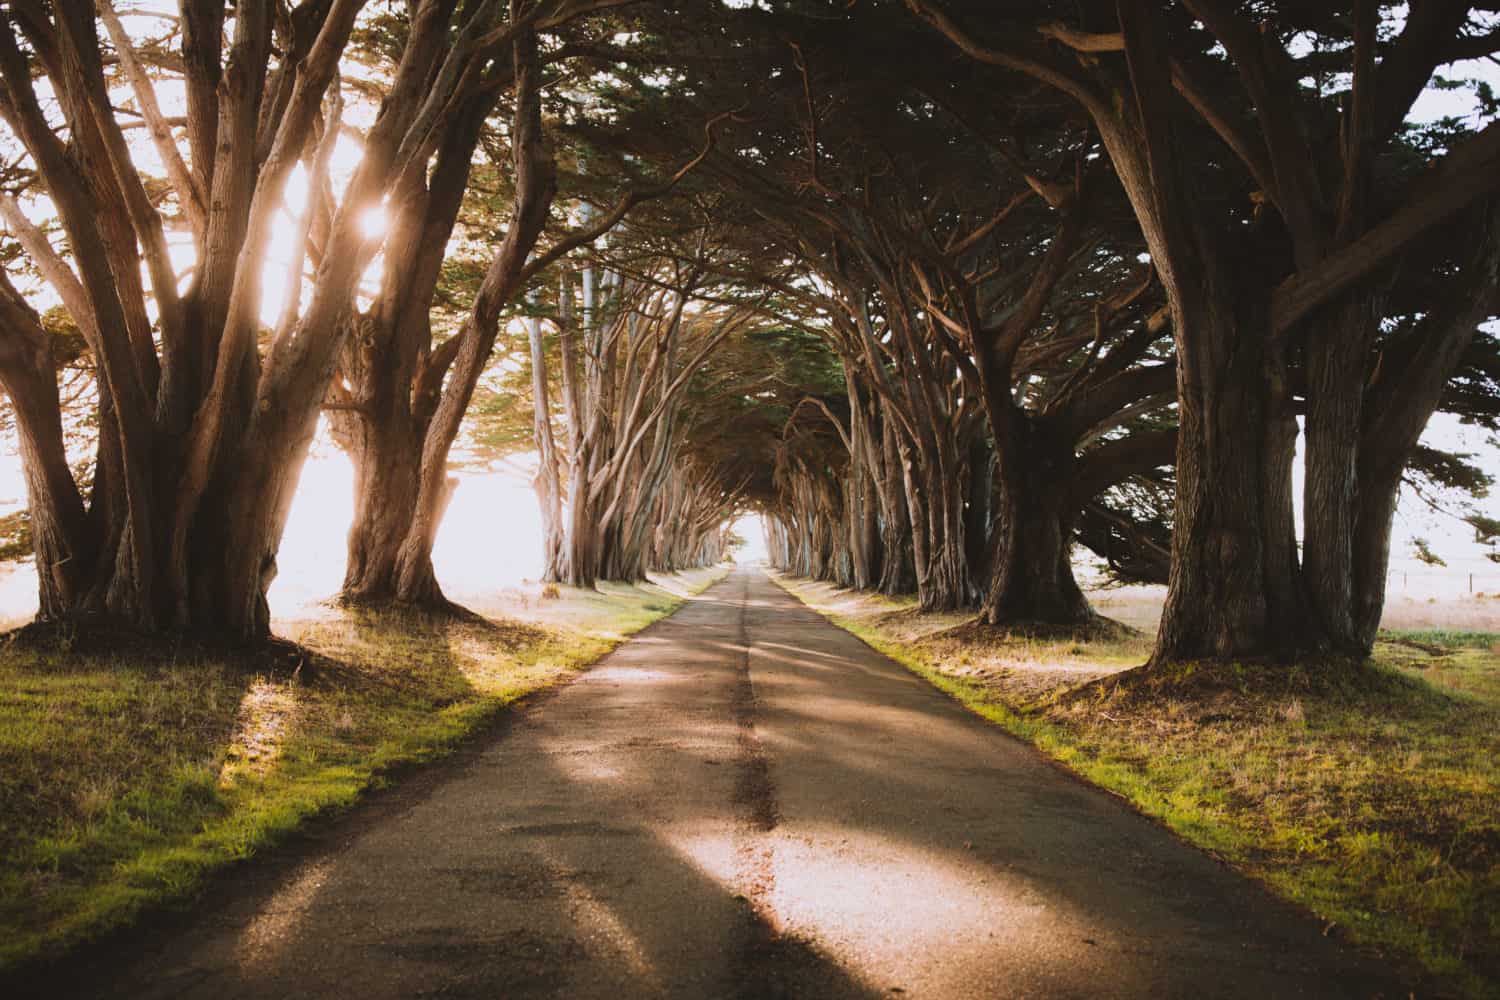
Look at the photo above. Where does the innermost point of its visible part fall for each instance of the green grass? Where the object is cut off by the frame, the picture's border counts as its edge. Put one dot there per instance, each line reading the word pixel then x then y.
pixel 126 780
pixel 1369 795
pixel 1453 638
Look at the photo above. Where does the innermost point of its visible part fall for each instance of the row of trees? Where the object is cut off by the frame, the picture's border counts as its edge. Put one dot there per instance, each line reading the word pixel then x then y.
pixel 628 349
pixel 1090 271
pixel 147 189
pixel 943 289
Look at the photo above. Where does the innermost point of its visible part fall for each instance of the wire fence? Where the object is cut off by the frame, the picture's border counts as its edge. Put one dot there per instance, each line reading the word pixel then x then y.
pixel 1438 582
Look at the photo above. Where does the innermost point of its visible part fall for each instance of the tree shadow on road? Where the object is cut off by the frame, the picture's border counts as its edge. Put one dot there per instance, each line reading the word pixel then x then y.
pixel 465 881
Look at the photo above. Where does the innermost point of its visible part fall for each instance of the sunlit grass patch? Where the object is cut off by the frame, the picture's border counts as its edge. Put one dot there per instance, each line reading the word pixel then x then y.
pixel 613 610
pixel 126 779
pixel 1369 794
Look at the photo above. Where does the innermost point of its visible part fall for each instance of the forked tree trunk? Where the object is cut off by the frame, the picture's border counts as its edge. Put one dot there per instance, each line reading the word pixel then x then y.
pixel 1401 400
pixel 389 375
pixel 536 185
pixel 416 579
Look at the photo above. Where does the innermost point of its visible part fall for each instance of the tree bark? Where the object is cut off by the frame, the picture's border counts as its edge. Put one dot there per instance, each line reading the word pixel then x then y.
pixel 385 494
pixel 59 527
pixel 1033 580
pixel 1234 590
pixel 898 573
pixel 547 483
pixel 381 406
pixel 536 184
pixel 1332 496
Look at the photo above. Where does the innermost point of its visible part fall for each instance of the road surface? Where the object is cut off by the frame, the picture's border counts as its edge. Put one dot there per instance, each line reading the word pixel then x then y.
pixel 745 802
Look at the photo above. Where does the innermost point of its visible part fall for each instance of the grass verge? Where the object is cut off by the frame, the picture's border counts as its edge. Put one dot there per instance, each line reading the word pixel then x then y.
pixel 126 779
pixel 1369 795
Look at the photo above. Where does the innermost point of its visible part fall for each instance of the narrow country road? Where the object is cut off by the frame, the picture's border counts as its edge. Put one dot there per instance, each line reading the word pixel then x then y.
pixel 745 801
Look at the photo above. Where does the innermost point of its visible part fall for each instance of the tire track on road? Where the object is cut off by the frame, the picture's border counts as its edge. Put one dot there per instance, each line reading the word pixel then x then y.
pixel 761 958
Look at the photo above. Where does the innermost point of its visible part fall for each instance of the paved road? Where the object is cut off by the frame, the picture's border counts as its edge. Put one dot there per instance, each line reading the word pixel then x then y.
pixel 747 802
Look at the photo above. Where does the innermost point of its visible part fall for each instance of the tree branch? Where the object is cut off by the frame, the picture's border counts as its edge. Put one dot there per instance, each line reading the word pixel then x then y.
pixel 189 195
pixel 1467 174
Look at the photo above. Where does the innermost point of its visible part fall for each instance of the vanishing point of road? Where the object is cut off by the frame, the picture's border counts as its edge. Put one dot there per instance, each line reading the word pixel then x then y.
pixel 744 801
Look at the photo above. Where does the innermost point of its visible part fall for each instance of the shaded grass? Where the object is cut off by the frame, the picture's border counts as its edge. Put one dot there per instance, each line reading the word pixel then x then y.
pixel 1369 794
pixel 126 778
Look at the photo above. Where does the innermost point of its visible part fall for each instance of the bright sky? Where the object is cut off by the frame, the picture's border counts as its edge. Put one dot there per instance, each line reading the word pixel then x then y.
pixel 752 529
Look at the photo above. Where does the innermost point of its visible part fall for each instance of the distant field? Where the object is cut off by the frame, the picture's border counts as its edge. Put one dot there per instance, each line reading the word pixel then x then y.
pixel 1442 603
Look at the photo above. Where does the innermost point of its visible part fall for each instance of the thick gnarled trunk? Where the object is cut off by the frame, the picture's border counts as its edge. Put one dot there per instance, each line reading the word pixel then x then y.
pixel 203 427
pixel 1332 495
pixel 1234 590
pixel 60 532
pixel 1032 579
pixel 898 575
pixel 385 497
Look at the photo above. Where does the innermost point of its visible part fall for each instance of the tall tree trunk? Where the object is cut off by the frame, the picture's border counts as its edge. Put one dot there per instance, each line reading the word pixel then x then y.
pixel 59 524
pixel 935 501
pixel 1032 580
pixel 1332 495
pixel 547 483
pixel 1233 590
pixel 584 542
pixel 898 574
pixel 863 518
pixel 389 381
pixel 385 497
pixel 536 184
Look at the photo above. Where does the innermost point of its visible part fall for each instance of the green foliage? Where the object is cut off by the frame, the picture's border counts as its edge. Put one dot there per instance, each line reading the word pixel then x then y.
pixel 1486 529
pixel 499 421
pixel 1450 470
pixel 1423 553
pixel 1442 637
pixel 15 536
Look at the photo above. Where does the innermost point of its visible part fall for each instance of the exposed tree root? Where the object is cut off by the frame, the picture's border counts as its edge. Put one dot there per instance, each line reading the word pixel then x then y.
pixel 976 630
pixel 439 616
pixel 1206 680
pixel 101 637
